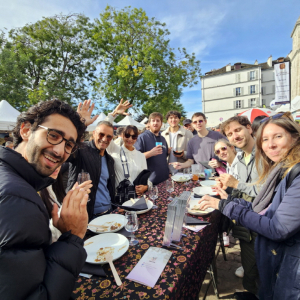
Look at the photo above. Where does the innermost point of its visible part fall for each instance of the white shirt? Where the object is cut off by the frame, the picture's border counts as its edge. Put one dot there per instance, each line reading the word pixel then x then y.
pixel 136 162
pixel 173 144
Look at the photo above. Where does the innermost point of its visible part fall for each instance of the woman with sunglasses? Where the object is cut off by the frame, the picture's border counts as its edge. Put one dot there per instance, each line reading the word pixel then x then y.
pixel 136 160
pixel 226 152
pixel 274 214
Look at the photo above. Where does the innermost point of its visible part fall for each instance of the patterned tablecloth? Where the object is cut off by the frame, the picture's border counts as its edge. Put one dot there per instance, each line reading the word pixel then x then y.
pixel 183 276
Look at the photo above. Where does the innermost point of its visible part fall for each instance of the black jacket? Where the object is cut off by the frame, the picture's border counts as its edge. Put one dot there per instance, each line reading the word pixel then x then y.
pixel 31 268
pixel 88 159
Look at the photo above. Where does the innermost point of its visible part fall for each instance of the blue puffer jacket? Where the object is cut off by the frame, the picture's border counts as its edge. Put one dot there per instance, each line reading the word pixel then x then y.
pixel 31 268
pixel 277 247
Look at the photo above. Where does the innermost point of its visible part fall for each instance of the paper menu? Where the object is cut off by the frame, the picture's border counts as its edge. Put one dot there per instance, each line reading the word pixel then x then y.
pixel 151 265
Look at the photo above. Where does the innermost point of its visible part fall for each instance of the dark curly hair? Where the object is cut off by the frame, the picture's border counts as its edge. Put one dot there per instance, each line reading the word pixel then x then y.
pixel 36 115
pixel 173 113
pixel 242 120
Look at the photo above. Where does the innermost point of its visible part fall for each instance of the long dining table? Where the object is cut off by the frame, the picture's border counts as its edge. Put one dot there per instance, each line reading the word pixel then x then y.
pixel 185 271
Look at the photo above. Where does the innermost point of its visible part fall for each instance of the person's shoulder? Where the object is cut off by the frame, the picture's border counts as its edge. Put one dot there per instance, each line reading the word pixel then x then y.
pixel 165 132
pixel 216 135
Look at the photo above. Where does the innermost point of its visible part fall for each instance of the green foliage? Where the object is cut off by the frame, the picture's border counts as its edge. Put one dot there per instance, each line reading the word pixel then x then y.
pixel 55 58
pixel 137 63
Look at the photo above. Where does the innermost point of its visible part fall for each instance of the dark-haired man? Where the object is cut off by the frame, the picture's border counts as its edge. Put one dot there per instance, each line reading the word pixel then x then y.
pixel 177 139
pixel 187 124
pixel 155 149
pixel 30 267
pixel 201 146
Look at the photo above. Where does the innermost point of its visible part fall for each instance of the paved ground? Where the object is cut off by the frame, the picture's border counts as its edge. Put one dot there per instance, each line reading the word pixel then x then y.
pixel 227 282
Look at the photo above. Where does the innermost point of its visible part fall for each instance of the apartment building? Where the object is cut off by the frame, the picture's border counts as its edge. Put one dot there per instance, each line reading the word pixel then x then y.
pixel 235 88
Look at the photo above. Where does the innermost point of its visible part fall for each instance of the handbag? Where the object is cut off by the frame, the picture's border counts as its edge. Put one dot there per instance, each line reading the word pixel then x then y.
pixel 125 190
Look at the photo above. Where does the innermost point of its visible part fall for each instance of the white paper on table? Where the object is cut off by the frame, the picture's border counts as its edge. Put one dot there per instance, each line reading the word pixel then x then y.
pixel 151 265
pixel 195 228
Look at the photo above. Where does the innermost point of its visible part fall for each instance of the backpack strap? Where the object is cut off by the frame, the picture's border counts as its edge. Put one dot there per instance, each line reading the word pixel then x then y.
pixel 293 174
pixel 124 162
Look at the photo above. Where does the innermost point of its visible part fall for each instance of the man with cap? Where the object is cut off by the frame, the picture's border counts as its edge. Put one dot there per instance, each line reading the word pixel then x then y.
pixel 187 124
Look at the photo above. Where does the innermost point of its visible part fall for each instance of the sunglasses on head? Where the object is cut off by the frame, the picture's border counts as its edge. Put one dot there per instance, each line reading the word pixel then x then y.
pixel 102 135
pixel 224 148
pixel 277 116
pixel 198 121
pixel 127 135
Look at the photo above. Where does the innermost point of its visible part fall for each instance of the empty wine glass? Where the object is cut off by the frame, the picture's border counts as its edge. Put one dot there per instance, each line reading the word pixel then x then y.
pixel 153 195
pixel 131 226
pixel 170 187
pixel 82 177
pixel 187 172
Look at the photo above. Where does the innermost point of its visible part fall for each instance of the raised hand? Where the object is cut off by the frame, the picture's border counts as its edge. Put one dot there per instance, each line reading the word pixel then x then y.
pixel 85 109
pixel 122 107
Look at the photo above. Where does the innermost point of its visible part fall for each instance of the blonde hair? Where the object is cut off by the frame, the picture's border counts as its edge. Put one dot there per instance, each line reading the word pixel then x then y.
pixel 291 157
pixel 224 142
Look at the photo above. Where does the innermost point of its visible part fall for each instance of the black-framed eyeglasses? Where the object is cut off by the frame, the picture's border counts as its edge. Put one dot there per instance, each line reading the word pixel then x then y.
pixel 133 136
pixel 224 148
pixel 55 137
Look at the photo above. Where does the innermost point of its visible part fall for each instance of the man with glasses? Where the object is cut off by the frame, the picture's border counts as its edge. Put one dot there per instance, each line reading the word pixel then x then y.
pixel 31 267
pixel 94 159
pixel 201 146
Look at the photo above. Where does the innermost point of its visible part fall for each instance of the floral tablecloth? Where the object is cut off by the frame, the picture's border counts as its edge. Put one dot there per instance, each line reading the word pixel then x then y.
pixel 184 273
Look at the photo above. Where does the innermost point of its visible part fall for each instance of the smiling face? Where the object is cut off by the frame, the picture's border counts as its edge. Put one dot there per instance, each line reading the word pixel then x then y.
pixel 238 135
pixel 224 152
pixel 276 141
pixel 102 136
pixel 43 156
pixel 155 124
pixel 173 121
pixel 129 139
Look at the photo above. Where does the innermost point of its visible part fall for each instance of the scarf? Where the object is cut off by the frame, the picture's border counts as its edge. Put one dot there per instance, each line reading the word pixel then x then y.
pixel 264 197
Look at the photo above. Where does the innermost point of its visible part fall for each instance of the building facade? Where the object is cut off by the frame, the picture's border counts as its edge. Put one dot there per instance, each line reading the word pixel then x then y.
pixel 295 61
pixel 233 89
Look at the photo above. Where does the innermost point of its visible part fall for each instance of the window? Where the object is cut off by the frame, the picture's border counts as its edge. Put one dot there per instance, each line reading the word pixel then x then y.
pixel 238 104
pixel 238 77
pixel 252 75
pixel 263 102
pixel 253 102
pixel 252 89
pixel 238 91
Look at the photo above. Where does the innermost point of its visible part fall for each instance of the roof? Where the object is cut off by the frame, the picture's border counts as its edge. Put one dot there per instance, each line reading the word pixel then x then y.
pixel 297 23
pixel 263 66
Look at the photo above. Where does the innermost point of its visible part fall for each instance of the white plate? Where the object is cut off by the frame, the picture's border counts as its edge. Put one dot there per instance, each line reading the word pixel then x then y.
pixel 108 220
pixel 181 178
pixel 117 245
pixel 208 183
pixel 204 190
pixel 149 204
pixel 192 203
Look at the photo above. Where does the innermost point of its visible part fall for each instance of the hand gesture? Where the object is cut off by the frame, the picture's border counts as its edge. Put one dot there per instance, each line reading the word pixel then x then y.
pixel 208 201
pixel 220 192
pixel 176 165
pixel 85 110
pixel 228 180
pixel 214 164
pixel 122 107
pixel 140 189
pixel 157 150
pixel 73 215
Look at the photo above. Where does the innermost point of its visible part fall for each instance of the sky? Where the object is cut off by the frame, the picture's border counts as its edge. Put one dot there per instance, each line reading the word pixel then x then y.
pixel 217 31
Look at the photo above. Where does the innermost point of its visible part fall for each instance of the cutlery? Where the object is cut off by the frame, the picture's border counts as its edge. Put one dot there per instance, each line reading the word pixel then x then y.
pixel 108 258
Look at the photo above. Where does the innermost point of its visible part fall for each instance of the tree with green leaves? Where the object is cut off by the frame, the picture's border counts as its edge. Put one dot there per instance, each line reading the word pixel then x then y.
pixel 55 57
pixel 137 62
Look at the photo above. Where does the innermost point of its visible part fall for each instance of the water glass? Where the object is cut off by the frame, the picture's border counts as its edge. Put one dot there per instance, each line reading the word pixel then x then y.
pixel 131 226
pixel 170 187
pixel 187 172
pixel 153 195
pixel 82 177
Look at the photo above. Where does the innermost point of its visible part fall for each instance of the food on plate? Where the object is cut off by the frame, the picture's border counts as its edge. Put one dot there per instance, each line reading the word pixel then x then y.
pixel 102 252
pixel 88 243
pixel 108 226
pixel 197 208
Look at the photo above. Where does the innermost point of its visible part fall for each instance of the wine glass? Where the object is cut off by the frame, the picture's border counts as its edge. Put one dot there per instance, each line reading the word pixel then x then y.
pixel 131 226
pixel 170 187
pixel 187 172
pixel 153 195
pixel 82 177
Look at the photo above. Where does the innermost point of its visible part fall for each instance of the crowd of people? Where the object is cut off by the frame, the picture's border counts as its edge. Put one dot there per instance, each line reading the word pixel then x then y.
pixel 45 209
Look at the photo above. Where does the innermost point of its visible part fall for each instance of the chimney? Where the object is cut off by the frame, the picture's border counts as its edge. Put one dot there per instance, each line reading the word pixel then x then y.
pixel 228 68
pixel 237 66
pixel 269 61
pixel 256 62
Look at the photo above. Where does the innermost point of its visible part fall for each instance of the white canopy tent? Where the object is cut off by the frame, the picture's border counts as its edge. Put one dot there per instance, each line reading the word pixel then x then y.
pixel 144 121
pixel 8 116
pixel 130 121
pixel 92 127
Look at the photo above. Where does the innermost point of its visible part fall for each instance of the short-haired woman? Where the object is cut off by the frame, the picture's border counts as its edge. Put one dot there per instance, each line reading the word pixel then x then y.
pixel 274 214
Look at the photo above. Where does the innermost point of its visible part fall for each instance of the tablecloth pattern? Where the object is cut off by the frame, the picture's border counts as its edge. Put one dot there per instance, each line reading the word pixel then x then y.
pixel 182 276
